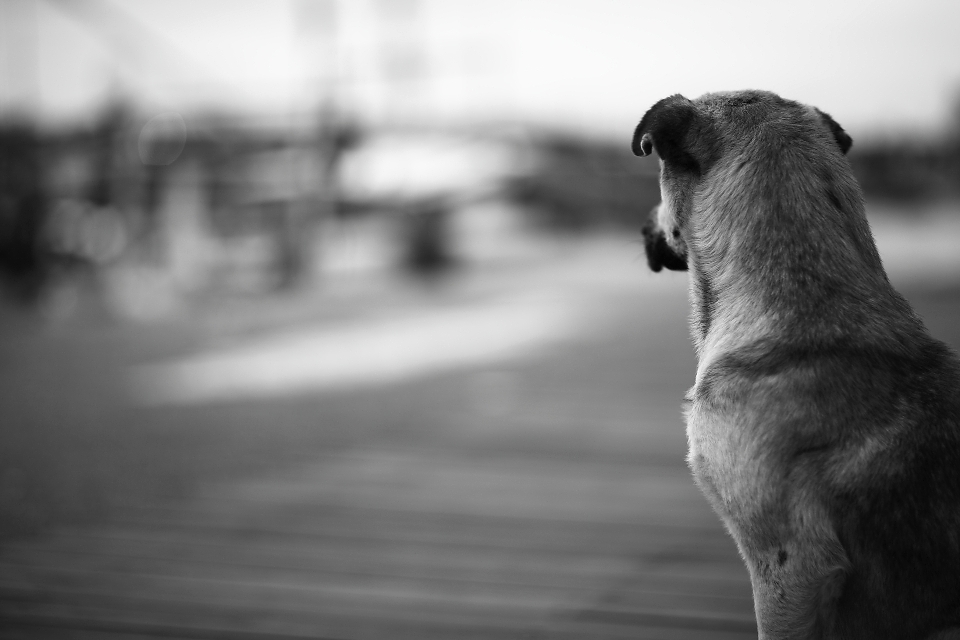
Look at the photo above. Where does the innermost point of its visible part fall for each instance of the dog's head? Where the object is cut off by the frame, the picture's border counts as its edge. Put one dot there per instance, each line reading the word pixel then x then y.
pixel 693 136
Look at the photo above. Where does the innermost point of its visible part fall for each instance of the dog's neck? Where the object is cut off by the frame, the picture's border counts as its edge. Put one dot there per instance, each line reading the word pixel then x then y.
pixel 787 257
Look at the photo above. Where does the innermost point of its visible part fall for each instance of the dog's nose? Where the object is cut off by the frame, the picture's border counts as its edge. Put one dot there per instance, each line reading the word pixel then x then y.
pixel 649 245
pixel 659 253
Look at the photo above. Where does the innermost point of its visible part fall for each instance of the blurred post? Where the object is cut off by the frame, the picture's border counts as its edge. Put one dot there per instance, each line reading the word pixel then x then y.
pixel 22 210
pixel 22 201
pixel 317 197
pixel 404 65
pixel 427 236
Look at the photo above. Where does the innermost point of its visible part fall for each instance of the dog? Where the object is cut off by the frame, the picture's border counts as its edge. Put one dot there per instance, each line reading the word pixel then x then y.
pixel 824 422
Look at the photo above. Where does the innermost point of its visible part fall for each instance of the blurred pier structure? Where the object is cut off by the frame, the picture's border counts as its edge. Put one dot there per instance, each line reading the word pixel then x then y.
pixel 372 139
pixel 129 206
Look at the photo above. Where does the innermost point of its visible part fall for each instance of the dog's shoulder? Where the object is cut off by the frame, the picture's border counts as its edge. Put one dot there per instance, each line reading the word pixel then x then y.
pixel 860 396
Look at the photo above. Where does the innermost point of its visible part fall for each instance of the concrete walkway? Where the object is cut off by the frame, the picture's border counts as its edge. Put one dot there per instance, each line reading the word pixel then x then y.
pixel 393 543
pixel 543 495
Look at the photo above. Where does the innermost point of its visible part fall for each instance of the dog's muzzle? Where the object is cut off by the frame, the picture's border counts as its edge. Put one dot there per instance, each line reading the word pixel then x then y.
pixel 659 253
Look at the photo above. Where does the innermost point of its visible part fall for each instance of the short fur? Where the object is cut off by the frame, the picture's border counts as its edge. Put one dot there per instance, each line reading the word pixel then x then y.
pixel 824 424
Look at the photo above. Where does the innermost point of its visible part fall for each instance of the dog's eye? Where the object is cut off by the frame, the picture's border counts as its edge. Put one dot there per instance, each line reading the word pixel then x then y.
pixel 676 233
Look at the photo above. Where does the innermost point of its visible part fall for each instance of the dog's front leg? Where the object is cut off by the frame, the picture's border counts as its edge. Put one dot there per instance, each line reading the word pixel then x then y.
pixel 796 587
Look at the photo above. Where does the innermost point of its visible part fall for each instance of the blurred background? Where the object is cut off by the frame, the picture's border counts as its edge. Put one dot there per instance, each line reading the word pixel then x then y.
pixel 330 319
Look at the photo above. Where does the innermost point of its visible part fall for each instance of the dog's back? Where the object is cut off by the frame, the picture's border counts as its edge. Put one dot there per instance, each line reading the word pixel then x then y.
pixel 896 491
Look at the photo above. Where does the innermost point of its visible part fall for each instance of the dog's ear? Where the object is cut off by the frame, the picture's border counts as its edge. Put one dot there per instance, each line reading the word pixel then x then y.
pixel 842 137
pixel 665 127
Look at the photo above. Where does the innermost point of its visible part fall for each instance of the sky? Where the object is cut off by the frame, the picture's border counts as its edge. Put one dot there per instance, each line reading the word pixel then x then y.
pixel 590 65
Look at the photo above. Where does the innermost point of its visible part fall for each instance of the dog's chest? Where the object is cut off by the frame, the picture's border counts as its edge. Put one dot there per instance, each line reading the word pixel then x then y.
pixel 727 463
